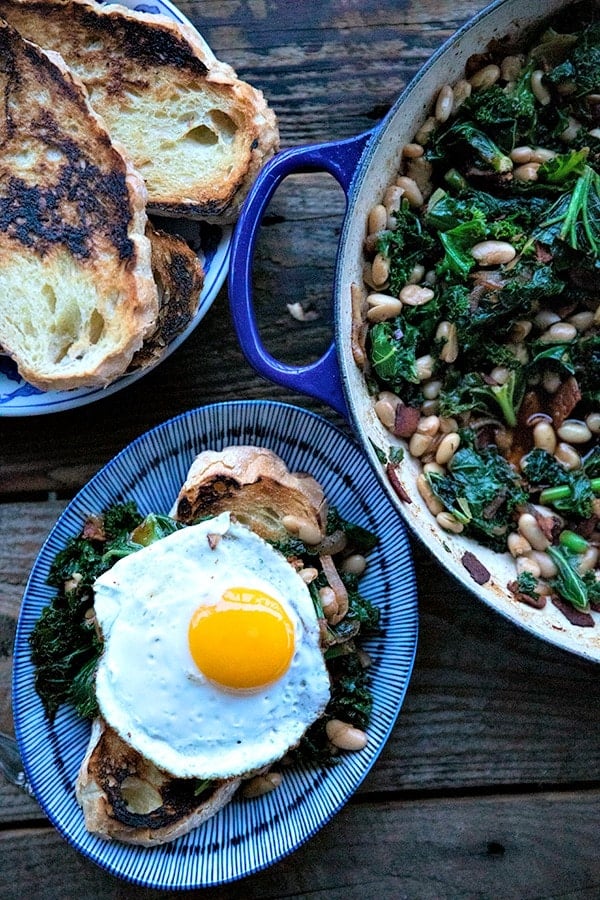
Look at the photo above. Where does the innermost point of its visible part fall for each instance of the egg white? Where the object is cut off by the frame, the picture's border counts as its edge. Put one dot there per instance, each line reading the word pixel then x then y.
pixel 148 686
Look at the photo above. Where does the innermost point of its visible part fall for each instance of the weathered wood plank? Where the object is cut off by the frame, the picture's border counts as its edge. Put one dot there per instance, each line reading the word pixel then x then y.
pixel 514 847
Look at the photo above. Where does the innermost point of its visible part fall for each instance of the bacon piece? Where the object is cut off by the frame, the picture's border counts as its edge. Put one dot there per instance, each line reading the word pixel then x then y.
pixel 93 529
pixel 395 482
pixel 406 419
pixel 537 602
pixel 475 568
pixel 564 401
pixel 575 616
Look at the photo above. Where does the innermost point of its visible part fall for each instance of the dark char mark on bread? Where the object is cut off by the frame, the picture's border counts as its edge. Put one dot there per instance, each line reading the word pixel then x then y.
pixel 78 203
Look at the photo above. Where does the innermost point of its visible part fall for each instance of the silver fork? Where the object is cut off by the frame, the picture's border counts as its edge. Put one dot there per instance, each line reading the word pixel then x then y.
pixel 11 765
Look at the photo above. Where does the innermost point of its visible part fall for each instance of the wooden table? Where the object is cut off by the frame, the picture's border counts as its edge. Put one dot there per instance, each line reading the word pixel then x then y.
pixel 488 786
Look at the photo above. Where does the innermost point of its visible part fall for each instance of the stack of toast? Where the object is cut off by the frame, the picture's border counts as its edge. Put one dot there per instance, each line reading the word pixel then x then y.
pixel 110 117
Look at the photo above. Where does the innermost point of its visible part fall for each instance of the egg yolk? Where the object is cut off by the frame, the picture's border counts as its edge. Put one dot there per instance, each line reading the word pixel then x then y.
pixel 242 642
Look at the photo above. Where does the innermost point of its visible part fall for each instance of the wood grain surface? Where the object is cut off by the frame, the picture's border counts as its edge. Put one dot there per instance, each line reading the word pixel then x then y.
pixel 488 785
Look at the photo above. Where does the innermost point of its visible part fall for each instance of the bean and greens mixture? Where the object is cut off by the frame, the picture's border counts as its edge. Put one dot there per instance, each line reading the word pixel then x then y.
pixel 479 326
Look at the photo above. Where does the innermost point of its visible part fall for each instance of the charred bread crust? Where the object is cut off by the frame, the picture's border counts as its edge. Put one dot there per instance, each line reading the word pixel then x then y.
pixel 71 206
pixel 255 485
pixel 179 278
pixel 136 63
pixel 124 797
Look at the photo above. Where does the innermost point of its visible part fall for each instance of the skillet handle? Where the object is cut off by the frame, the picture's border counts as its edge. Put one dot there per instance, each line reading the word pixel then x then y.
pixel 320 379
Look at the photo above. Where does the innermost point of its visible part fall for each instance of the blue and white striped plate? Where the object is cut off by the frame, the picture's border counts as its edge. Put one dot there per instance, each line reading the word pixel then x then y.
pixel 248 834
pixel 19 398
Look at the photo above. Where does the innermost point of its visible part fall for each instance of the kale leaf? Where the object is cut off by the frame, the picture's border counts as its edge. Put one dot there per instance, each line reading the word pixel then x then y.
pixel 471 392
pixel 576 498
pixel 406 245
pixel 481 490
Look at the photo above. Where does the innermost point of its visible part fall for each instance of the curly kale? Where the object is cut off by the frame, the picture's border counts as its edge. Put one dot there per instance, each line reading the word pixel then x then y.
pixel 64 644
pixel 570 491
pixel 508 113
pixel 473 392
pixel 481 490
pixel 406 245
pixel 351 701
pixel 581 69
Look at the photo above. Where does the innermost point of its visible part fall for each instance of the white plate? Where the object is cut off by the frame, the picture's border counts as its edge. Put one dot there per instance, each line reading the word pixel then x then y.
pixel 18 398
pixel 246 835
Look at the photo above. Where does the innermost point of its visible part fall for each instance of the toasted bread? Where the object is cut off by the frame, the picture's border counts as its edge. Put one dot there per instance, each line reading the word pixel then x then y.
pixel 77 296
pixel 124 797
pixel 256 486
pixel 179 278
pixel 196 132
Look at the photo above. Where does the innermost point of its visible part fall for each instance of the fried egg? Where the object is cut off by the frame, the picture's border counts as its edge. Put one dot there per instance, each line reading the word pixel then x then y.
pixel 211 664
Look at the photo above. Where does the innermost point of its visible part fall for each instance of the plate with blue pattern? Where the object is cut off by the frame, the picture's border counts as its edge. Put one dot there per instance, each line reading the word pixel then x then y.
pixel 247 835
pixel 19 398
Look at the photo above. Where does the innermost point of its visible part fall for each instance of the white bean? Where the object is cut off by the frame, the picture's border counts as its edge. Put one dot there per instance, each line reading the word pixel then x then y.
pixel 444 103
pixel 261 784
pixel 582 320
pixel 545 318
pixel 521 155
pixel 568 456
pixel 540 91
pixel 559 333
pixel 345 736
pixel 355 564
pixel 544 437
pixel 429 425
pixel 525 564
pixel 382 307
pixel 493 253
pixel 432 503
pixel 593 422
pixel 417 274
pixel 574 432
pixel 412 151
pixel 425 131
pixel 517 544
pixel 380 269
pixel 530 530
pixel 526 172
pixel 419 444
pixel 588 560
pixel 485 77
pixel 424 367
pixel 411 189
pixel 545 563
pixel 462 91
pixel 415 295
pixel 447 448
pixel 377 218
pixel 449 523
pixel 431 390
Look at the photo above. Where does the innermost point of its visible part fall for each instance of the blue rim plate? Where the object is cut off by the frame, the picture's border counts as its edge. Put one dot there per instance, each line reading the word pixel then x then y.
pixel 18 398
pixel 247 835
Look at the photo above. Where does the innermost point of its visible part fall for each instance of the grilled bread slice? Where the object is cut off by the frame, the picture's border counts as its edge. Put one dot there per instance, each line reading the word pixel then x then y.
pixel 196 132
pixel 256 486
pixel 179 278
pixel 124 797
pixel 77 296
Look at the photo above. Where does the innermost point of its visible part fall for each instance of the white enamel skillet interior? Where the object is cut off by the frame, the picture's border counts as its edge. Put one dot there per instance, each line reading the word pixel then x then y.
pixel 364 166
